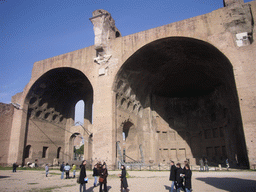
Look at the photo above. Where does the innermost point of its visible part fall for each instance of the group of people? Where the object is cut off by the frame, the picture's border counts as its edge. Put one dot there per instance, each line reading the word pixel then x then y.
pixel 66 169
pixel 203 165
pixel 180 177
pixel 100 170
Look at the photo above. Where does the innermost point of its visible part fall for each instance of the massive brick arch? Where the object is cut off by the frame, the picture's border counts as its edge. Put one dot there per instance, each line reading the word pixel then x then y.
pixel 181 95
pixel 50 115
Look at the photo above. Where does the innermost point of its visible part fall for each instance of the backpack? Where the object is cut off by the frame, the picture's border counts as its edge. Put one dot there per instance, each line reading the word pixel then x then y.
pixel 61 167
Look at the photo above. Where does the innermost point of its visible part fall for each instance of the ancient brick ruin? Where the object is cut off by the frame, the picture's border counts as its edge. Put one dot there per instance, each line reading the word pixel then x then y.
pixel 185 90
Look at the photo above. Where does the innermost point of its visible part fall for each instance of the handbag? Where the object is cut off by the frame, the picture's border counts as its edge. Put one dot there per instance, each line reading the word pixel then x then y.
pixel 101 180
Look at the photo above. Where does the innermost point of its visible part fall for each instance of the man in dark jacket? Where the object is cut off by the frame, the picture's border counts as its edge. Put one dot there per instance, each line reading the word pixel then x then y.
pixel 179 177
pixel 172 175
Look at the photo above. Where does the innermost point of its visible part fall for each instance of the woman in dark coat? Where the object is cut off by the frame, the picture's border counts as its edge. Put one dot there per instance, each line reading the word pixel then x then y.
pixel 103 175
pixel 83 176
pixel 124 183
pixel 188 175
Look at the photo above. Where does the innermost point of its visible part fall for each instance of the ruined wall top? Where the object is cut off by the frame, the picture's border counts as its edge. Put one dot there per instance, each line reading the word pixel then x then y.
pixel 104 28
pixel 232 2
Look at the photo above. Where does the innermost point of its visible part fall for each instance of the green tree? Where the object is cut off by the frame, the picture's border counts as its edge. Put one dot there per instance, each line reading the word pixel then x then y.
pixel 80 150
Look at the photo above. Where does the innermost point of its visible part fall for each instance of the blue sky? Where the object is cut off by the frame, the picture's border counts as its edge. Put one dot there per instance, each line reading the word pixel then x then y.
pixel 35 30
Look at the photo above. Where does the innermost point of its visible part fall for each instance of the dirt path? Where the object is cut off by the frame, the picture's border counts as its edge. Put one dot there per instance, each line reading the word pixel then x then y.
pixel 140 181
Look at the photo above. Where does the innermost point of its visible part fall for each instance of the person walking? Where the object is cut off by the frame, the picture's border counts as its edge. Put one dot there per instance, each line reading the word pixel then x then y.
pixel 67 169
pixel 172 175
pixel 179 177
pixel 46 170
pixel 124 183
pixel 227 163
pixel 95 174
pixel 74 170
pixel 83 178
pixel 62 170
pixel 103 178
pixel 188 175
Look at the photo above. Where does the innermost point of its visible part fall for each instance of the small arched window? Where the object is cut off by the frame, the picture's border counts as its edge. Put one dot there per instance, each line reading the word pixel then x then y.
pixel 79 112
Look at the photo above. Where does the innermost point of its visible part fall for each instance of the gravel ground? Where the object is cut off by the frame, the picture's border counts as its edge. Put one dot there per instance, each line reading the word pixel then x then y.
pixel 139 181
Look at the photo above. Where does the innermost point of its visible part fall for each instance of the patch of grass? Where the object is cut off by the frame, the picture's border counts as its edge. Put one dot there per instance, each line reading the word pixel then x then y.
pixel 32 183
pixel 55 173
pixel 49 189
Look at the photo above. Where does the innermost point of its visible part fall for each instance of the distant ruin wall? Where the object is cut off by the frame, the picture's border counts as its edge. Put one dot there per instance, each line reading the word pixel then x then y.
pixel 6 116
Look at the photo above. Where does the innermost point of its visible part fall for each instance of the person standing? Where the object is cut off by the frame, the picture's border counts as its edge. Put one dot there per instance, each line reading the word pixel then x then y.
pixel 103 178
pixel 172 175
pixel 83 177
pixel 124 183
pixel 14 167
pixel 188 175
pixel 46 169
pixel 206 168
pixel 179 177
pixel 62 170
pixel 201 162
pixel 95 174
pixel 227 163
pixel 74 170
pixel 67 168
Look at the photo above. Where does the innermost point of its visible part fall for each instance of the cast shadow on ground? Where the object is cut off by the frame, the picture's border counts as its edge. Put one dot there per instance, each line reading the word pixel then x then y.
pixel 230 184
pixel 169 188
pixel 91 189
pixel 2 177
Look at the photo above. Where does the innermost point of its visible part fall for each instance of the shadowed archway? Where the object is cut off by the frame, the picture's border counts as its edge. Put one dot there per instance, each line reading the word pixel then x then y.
pixel 184 102
pixel 51 108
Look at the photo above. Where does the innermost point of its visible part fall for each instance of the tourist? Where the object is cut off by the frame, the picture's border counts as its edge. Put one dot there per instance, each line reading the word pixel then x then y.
pixel 46 170
pixel 179 177
pixel 74 170
pixel 201 163
pixel 67 169
pixel 188 175
pixel 95 174
pixel 83 178
pixel 103 177
pixel 124 183
pixel 227 163
pixel 14 167
pixel 172 175
pixel 206 168
pixel 62 170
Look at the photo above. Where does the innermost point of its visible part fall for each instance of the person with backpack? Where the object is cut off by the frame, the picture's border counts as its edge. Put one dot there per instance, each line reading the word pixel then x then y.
pixel 62 170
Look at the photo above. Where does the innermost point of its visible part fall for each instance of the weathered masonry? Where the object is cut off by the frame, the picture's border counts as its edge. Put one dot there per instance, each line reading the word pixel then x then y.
pixel 185 90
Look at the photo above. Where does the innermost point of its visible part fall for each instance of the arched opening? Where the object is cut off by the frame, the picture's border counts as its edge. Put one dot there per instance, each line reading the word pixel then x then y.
pixel 77 145
pixel 185 104
pixel 79 112
pixel 58 152
pixel 28 151
pixel 51 113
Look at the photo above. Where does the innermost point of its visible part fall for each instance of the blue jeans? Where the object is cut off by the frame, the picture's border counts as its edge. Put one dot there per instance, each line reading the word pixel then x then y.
pixel 47 172
pixel 74 173
pixel 172 186
pixel 82 186
pixel 178 190
pixel 62 175
pixel 95 180
pixel 187 190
